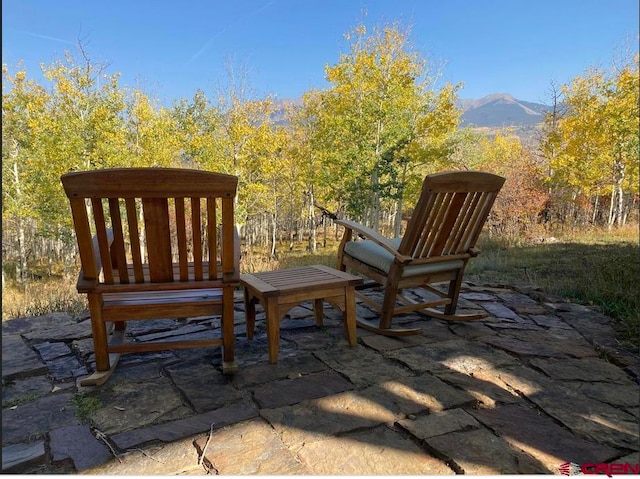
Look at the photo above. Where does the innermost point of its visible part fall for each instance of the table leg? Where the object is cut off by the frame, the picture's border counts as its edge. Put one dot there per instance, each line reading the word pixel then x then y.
pixel 272 312
pixel 349 315
pixel 318 311
pixel 250 313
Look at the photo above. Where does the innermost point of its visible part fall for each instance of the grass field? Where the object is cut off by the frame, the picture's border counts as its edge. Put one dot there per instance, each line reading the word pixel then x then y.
pixel 595 267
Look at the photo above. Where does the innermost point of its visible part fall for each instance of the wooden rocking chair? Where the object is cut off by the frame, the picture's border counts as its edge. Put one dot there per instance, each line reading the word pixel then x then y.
pixel 438 242
pixel 156 251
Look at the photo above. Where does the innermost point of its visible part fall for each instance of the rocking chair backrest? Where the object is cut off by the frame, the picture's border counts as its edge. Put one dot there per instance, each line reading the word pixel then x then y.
pixel 450 213
pixel 146 220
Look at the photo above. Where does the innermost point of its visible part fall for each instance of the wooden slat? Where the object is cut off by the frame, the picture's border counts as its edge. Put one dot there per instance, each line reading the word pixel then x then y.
pixel 103 241
pixel 161 346
pixel 229 266
pixel 156 223
pixel 212 238
pixel 118 245
pixel 83 235
pixel 181 231
pixel 457 232
pixel 447 223
pixel 417 229
pixel 148 183
pixel 134 239
pixel 430 226
pixel 196 227
pixel 434 223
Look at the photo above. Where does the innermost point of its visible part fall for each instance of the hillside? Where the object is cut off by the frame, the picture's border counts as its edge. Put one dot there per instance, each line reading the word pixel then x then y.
pixel 501 110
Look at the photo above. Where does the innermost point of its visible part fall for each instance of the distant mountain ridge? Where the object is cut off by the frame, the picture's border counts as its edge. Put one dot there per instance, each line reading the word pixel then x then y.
pixel 501 110
pixel 497 110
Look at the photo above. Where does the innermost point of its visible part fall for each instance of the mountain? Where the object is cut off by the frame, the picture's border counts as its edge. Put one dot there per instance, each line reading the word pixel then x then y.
pixel 501 110
pixel 492 111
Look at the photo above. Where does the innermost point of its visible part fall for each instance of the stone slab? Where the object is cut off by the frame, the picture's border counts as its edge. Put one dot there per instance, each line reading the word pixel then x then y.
pixel 290 391
pixel 18 359
pixel 189 426
pixel 479 452
pixel 477 296
pixel 618 395
pixel 499 310
pixel 472 330
pixel 549 321
pixel 541 437
pixel 28 323
pixel 49 351
pixel 25 390
pixel 66 367
pixel 175 458
pixel 585 369
pixel 361 366
pixel 483 386
pixel 249 448
pixel 35 419
pixel 307 339
pixel 203 386
pixel 78 444
pixel 439 423
pixel 290 367
pixel 590 419
pixel 67 333
pixel 15 456
pixel 520 347
pixel 355 410
pixel 330 416
pixel 457 355
pixel 379 451
pixel 387 343
pixel 136 404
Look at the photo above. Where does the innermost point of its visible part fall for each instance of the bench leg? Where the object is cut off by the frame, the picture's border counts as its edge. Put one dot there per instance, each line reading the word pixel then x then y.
pixel 229 365
pixel 99 332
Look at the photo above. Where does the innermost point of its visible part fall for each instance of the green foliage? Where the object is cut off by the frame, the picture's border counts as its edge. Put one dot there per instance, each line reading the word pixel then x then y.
pixel 378 121
pixel 593 147
pixel 86 406
pixel 19 401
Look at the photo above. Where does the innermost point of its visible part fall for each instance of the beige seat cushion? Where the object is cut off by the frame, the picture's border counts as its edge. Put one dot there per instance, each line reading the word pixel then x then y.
pixel 377 257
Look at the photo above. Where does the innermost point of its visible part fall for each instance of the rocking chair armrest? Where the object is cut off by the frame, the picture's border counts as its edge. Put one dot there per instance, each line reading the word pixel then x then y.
pixel 375 237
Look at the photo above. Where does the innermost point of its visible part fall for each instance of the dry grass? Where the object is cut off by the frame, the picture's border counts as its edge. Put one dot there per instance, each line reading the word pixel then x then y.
pixel 595 267
pixel 39 297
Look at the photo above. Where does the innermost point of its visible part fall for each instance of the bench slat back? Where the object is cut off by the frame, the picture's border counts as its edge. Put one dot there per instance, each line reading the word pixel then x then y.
pixel 154 225
pixel 450 213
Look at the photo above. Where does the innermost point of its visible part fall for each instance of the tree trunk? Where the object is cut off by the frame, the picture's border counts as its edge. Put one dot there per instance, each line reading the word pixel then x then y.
pixel 22 269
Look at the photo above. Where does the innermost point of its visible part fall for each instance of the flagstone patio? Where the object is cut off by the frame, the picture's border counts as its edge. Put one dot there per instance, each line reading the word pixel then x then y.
pixel 541 382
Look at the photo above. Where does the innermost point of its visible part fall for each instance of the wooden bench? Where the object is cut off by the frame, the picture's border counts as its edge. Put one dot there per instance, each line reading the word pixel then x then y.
pixel 154 243
pixel 279 291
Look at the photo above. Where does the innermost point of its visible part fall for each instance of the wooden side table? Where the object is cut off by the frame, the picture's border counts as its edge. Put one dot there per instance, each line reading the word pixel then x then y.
pixel 279 291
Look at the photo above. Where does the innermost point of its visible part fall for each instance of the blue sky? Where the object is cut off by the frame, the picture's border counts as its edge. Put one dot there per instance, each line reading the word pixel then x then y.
pixel 171 48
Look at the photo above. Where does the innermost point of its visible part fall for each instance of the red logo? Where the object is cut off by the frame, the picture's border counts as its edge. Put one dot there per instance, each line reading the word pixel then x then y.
pixel 569 469
pixel 572 469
